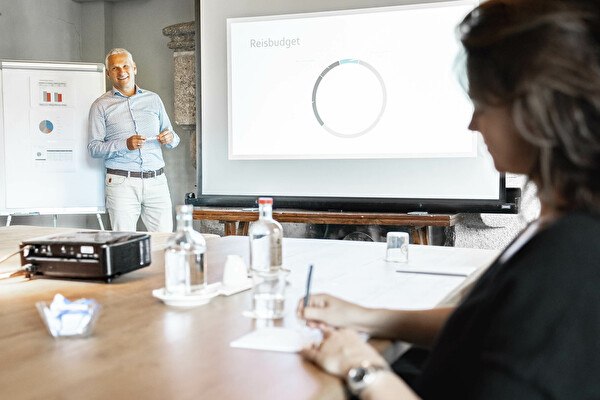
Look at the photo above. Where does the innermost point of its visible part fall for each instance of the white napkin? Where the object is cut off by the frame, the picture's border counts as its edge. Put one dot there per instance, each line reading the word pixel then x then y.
pixel 278 339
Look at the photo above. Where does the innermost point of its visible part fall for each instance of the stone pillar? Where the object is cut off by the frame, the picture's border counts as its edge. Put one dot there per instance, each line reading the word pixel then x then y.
pixel 184 61
pixel 496 231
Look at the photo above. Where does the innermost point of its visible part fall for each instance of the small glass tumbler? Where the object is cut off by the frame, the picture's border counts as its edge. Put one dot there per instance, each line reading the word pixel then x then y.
pixel 397 247
pixel 268 294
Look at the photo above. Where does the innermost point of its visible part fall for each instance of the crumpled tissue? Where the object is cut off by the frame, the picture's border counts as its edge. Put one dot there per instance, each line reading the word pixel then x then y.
pixel 69 318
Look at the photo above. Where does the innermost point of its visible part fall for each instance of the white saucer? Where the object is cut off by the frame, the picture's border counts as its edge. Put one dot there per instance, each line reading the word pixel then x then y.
pixel 190 300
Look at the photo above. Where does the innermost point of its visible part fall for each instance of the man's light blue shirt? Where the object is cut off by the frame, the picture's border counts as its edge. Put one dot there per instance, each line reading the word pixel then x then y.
pixel 115 117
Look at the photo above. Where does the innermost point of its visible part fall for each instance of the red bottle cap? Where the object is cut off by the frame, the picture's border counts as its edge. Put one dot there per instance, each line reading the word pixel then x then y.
pixel 265 200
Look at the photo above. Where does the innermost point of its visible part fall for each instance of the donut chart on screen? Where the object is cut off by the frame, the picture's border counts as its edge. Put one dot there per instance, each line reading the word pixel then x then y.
pixel 330 119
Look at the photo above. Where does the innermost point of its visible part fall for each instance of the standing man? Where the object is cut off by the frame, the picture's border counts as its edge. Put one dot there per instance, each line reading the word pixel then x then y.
pixel 128 126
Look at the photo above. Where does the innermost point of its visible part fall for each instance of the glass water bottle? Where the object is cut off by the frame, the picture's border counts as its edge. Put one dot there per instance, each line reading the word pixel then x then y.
pixel 185 260
pixel 266 236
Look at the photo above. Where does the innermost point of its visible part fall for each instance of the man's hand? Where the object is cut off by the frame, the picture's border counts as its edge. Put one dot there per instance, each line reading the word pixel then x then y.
pixel 165 137
pixel 135 142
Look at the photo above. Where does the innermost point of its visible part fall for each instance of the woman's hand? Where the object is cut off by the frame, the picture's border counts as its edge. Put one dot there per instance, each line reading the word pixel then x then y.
pixel 324 310
pixel 341 350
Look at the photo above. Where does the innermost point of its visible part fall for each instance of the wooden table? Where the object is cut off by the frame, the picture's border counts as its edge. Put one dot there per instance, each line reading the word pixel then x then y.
pixel 237 220
pixel 142 349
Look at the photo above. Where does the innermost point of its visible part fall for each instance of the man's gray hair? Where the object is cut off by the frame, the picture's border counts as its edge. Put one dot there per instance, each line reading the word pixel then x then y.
pixel 117 51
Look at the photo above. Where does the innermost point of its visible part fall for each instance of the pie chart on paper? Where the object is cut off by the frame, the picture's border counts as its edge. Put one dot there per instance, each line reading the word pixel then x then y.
pixel 46 126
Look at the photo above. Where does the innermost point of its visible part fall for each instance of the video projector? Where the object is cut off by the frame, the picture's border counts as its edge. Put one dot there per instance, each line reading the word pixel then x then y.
pixel 94 255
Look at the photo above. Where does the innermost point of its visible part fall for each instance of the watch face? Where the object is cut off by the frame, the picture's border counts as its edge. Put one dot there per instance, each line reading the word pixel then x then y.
pixel 358 374
pixel 359 378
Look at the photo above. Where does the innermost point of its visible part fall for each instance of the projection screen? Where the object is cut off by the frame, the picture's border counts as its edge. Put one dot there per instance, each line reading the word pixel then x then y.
pixel 338 104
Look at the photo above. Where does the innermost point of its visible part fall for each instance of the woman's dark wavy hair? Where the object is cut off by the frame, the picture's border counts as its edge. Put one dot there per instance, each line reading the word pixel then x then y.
pixel 542 59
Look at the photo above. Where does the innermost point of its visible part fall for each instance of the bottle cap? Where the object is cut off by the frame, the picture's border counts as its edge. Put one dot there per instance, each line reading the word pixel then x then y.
pixel 265 200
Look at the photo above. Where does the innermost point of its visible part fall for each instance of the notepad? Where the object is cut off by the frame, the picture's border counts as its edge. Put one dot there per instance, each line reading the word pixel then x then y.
pixel 280 339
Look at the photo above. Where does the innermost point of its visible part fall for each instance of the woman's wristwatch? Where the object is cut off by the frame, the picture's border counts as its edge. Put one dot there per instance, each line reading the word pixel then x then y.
pixel 358 378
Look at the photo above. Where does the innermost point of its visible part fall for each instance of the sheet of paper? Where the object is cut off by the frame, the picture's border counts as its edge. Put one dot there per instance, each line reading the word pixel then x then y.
pixel 343 255
pixel 281 339
pixel 391 290
pixel 444 260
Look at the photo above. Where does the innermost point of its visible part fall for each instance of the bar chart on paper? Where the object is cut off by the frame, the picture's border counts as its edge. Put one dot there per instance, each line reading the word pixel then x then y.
pixel 52 92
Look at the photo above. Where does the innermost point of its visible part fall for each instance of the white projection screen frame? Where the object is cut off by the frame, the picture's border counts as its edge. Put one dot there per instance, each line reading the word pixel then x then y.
pixel 349 105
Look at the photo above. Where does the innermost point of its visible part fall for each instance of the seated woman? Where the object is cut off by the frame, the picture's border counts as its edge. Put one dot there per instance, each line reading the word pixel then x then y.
pixel 530 327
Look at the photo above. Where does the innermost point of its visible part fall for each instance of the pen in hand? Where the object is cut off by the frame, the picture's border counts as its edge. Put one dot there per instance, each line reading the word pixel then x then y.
pixel 308 281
